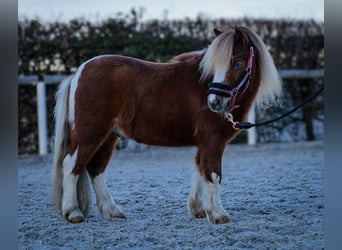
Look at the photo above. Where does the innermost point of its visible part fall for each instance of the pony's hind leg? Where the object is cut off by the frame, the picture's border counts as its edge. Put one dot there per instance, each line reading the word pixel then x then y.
pixel 76 195
pixel 96 169
pixel 70 208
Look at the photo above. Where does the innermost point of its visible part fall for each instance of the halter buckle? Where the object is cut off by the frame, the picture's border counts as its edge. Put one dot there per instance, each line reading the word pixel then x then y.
pixel 235 92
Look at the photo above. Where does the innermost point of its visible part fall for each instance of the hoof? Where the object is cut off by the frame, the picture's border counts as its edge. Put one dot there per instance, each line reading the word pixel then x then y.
pixel 76 219
pixel 109 211
pixel 75 216
pixel 120 216
pixel 221 220
pixel 195 208
pixel 200 215
pixel 218 218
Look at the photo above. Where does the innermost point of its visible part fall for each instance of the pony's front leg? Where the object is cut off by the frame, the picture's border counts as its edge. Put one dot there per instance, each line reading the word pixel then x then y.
pixel 212 202
pixel 195 200
pixel 204 199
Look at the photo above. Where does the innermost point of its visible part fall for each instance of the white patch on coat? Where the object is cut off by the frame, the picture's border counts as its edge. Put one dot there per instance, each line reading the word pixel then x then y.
pixel 205 198
pixel 69 201
pixel 198 185
pixel 104 201
pixel 211 199
pixel 195 206
pixel 101 191
pixel 219 77
pixel 73 87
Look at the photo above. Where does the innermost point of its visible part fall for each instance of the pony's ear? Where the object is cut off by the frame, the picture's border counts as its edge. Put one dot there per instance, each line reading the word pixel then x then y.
pixel 240 37
pixel 217 32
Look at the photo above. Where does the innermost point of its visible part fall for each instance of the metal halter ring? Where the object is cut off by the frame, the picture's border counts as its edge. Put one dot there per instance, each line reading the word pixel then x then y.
pixel 230 118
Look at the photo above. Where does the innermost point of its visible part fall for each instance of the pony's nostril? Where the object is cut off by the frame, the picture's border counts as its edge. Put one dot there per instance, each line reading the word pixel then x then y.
pixel 217 103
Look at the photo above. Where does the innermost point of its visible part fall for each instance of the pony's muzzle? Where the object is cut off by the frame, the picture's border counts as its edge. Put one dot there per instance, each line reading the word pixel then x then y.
pixel 216 103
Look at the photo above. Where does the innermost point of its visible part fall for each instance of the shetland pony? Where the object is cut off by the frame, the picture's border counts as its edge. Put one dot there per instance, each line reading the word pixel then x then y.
pixel 185 102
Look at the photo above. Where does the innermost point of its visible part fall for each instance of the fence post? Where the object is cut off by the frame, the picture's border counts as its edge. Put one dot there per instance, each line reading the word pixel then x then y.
pixel 42 117
pixel 251 133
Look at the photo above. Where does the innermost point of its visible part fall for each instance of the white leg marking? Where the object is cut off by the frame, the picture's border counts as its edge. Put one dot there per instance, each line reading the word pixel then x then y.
pixel 212 202
pixel 105 203
pixel 195 199
pixel 70 208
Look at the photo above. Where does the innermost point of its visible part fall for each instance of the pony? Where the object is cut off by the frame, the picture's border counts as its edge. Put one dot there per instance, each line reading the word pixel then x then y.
pixel 195 99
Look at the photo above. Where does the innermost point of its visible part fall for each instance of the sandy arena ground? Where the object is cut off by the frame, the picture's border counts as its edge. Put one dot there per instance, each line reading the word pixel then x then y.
pixel 272 192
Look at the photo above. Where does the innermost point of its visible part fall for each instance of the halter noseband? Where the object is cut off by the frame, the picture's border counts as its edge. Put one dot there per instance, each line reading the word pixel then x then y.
pixel 240 85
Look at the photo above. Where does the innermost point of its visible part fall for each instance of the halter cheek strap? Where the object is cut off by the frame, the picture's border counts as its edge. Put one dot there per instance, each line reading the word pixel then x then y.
pixel 240 85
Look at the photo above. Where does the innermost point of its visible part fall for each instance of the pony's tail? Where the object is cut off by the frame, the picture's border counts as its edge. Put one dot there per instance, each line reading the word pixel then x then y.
pixel 61 146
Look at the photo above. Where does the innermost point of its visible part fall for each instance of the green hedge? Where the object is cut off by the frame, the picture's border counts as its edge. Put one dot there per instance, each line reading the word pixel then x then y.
pixel 60 47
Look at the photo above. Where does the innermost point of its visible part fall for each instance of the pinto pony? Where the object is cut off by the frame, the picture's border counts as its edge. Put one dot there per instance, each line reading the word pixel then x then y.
pixel 194 100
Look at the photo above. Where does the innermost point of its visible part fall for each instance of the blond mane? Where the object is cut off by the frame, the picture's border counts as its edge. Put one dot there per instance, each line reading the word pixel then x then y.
pixel 219 54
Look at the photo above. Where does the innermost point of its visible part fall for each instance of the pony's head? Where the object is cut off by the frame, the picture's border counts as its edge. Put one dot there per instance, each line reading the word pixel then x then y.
pixel 236 59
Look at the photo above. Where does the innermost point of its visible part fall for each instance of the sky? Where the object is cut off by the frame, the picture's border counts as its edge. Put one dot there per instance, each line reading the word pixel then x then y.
pixel 96 10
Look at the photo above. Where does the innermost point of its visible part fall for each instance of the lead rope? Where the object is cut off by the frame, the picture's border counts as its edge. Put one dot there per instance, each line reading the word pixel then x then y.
pixel 247 125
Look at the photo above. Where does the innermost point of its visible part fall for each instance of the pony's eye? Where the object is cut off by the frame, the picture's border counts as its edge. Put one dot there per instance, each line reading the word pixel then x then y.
pixel 237 64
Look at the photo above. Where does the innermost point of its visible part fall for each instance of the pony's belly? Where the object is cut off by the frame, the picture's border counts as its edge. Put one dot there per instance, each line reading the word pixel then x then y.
pixel 158 135
pixel 164 141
